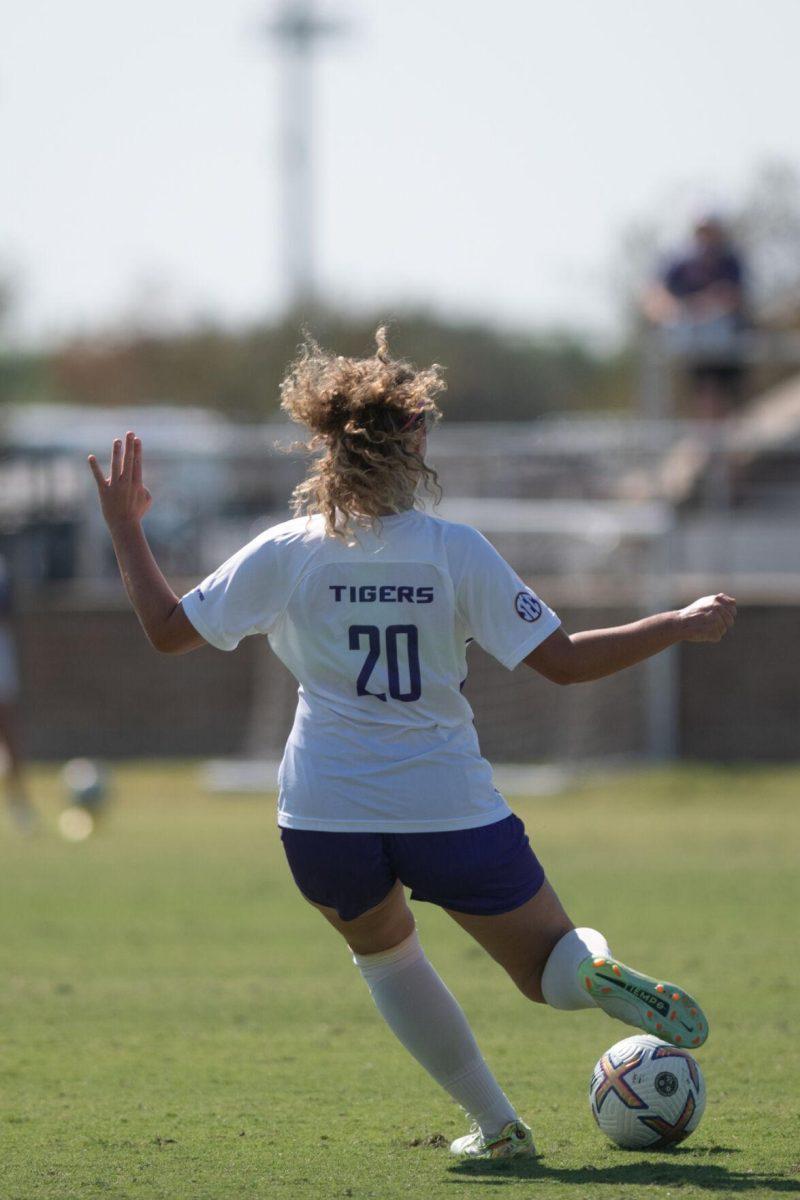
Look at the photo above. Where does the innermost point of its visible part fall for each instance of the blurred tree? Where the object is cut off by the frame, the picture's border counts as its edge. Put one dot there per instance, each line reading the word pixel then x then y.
pixel 767 225
pixel 492 374
pixel 5 301
pixel 22 372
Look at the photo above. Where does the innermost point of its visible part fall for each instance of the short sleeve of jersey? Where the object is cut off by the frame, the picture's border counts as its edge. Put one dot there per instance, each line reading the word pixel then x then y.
pixel 500 612
pixel 244 596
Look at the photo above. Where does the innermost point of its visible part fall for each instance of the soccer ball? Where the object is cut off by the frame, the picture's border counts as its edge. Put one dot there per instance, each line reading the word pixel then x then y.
pixel 646 1094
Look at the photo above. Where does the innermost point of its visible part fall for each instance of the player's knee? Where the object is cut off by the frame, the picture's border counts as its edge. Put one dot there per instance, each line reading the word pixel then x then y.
pixel 393 931
pixel 382 929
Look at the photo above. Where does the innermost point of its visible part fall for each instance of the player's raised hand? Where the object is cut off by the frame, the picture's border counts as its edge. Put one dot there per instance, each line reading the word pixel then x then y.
pixel 123 496
pixel 708 619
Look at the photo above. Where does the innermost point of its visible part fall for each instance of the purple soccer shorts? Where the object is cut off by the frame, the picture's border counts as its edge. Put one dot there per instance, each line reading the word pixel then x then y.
pixel 484 871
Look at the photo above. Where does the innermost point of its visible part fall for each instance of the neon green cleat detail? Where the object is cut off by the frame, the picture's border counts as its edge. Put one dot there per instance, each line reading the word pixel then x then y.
pixel 657 1007
pixel 514 1139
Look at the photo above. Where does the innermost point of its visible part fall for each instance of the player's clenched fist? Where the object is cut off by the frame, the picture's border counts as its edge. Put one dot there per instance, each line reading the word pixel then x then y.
pixel 123 496
pixel 708 619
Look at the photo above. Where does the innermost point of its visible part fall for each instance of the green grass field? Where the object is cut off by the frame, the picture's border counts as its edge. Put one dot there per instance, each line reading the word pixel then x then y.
pixel 176 1022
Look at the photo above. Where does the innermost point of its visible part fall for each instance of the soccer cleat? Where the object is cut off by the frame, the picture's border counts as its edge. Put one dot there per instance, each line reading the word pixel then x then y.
pixel 656 1007
pixel 514 1140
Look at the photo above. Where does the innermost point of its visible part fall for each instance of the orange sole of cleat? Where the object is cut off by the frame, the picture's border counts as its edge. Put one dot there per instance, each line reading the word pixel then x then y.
pixel 598 962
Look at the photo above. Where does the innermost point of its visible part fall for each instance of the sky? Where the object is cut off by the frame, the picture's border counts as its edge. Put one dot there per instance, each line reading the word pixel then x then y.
pixel 480 160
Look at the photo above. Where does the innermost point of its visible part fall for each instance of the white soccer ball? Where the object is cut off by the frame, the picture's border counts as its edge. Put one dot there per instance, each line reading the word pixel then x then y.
pixel 645 1093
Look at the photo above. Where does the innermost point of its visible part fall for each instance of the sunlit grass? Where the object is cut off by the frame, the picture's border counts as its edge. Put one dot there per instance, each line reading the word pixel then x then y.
pixel 177 1023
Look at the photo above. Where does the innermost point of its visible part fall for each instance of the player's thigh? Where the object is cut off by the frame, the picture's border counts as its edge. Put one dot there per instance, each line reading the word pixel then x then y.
pixel 380 928
pixel 521 940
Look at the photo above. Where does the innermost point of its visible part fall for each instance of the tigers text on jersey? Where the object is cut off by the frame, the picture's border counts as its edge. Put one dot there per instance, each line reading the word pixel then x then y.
pixel 376 635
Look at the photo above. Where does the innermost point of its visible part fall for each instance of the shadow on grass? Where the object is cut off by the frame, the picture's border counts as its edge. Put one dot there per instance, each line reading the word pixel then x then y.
pixel 680 1169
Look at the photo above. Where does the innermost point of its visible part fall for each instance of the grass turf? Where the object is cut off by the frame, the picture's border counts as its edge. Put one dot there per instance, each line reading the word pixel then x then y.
pixel 177 1023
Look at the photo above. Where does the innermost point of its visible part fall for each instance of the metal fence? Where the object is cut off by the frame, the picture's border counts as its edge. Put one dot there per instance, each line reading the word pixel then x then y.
pixel 577 505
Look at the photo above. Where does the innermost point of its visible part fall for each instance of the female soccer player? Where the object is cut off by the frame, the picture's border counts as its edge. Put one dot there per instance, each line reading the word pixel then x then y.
pixel 371 603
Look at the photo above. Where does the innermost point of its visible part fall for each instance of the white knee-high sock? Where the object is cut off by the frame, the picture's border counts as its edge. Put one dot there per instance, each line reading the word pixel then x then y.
pixel 561 987
pixel 428 1020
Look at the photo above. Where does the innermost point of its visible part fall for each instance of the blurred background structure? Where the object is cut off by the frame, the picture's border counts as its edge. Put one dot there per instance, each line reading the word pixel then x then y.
pixel 623 365
pixel 296 28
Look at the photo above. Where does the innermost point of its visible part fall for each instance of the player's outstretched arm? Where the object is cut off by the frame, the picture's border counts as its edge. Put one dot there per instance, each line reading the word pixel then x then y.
pixel 124 500
pixel 596 653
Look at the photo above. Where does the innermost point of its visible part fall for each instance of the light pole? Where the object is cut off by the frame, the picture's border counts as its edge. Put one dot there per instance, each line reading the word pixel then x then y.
pixel 296 29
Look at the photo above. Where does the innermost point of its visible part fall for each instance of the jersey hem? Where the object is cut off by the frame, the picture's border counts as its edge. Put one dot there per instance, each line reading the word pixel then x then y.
pixel 412 825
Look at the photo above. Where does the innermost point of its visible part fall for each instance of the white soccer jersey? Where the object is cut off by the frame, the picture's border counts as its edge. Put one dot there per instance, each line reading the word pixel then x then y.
pixel 376 635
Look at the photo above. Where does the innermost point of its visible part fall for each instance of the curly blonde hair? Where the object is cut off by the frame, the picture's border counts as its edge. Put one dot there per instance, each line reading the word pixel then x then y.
pixel 365 416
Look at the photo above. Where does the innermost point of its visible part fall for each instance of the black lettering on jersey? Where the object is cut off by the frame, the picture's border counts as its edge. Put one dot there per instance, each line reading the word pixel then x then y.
pixel 387 593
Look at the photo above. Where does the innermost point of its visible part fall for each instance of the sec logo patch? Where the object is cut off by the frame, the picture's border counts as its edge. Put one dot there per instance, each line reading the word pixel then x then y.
pixel 527 606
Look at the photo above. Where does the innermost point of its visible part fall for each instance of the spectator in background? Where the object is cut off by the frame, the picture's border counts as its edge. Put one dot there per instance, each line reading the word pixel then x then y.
pixel 20 808
pixel 698 303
